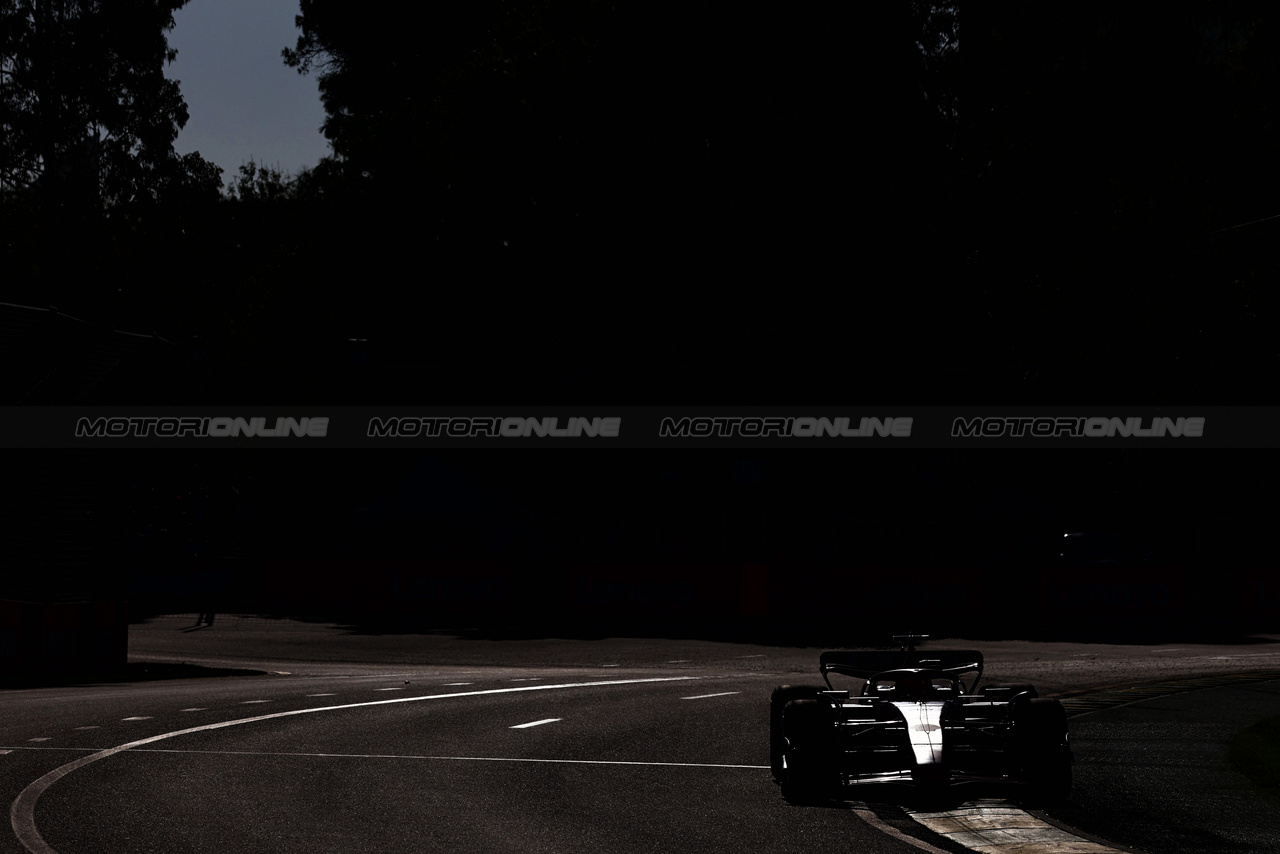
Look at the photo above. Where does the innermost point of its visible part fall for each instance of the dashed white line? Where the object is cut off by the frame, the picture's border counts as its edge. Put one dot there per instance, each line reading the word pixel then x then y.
pixel 199 709
pixel 251 702
pixel 46 738
pixel 527 679
pixel 455 684
pixel 396 688
pixel 322 695
pixel 138 718
pixel 537 723
pixel 705 696
pixel 22 811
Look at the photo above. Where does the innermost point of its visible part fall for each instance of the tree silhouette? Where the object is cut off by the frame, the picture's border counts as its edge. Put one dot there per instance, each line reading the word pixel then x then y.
pixel 89 119
pixel 95 202
pixel 1105 143
pixel 603 142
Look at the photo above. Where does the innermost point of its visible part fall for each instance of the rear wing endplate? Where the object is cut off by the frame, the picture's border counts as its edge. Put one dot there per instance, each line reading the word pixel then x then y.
pixel 864 665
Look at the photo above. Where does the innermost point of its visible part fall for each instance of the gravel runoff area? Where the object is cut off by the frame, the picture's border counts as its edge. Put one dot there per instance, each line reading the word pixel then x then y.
pixel 302 648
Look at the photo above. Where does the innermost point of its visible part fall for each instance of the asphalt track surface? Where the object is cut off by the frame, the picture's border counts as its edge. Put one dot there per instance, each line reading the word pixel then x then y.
pixel 548 746
pixel 1154 775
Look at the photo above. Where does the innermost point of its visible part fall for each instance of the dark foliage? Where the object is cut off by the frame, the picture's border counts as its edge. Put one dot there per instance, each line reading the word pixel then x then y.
pixel 597 183
pixel 1112 147
pixel 88 171
pixel 624 174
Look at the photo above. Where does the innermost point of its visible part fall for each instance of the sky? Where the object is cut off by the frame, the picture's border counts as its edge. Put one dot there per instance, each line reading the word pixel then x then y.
pixel 243 100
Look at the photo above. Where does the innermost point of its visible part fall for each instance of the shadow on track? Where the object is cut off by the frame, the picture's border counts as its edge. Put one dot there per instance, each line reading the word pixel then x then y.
pixel 132 672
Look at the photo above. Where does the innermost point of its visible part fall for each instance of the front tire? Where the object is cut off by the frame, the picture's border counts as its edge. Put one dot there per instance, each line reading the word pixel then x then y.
pixel 1044 752
pixel 782 695
pixel 809 772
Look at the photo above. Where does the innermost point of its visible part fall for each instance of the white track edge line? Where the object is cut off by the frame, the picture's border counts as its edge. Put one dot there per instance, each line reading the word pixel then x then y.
pixel 22 812
pixel 453 758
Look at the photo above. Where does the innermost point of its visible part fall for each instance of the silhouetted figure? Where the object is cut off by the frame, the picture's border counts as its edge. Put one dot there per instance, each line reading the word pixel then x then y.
pixel 205 618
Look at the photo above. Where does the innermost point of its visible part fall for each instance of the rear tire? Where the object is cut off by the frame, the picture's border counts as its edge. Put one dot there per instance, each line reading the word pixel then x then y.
pixel 809 772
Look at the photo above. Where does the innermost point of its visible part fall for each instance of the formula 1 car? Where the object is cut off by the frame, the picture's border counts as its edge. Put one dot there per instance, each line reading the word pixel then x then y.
pixel 916 721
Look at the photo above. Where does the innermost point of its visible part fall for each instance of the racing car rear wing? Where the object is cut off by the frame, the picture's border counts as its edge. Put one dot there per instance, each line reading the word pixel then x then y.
pixel 864 665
